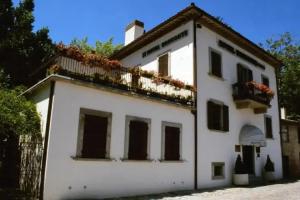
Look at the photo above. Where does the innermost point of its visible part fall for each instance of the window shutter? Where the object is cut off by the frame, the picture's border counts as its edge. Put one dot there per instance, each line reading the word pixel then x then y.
pixel 225 118
pixel 240 73
pixel 138 140
pixel 210 119
pixel 172 143
pixel 216 64
pixel 94 137
pixel 268 123
pixel 163 65
pixel 250 75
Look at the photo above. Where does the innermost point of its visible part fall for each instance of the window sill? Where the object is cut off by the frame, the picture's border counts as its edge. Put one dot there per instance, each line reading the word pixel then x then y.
pixel 216 77
pixel 92 159
pixel 172 161
pixel 131 160
pixel 218 177
pixel 216 130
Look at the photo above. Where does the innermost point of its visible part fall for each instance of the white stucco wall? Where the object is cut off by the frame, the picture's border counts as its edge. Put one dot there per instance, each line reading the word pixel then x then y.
pixel 214 146
pixel 67 178
pixel 41 99
pixel 181 55
pixel 133 33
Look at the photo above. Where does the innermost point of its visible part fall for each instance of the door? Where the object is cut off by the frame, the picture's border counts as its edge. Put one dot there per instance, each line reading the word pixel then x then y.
pixel 285 166
pixel 248 158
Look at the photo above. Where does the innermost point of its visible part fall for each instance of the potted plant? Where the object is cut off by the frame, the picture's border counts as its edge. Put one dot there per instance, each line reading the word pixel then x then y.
pixel 240 176
pixel 269 170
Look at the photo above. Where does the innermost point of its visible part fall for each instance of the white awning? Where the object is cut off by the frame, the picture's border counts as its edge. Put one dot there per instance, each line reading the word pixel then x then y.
pixel 251 135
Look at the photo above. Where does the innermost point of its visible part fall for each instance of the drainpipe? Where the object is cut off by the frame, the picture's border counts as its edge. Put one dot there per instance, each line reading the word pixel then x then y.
pixel 279 113
pixel 49 113
pixel 195 104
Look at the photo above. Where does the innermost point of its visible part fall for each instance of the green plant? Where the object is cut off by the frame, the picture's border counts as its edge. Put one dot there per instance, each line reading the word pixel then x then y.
pixel 269 166
pixel 240 167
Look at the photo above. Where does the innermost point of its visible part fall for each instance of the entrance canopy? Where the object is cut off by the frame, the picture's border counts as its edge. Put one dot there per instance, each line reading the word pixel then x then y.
pixel 251 135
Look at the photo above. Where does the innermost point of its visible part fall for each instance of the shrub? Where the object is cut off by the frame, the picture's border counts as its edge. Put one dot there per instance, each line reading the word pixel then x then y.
pixel 239 168
pixel 269 167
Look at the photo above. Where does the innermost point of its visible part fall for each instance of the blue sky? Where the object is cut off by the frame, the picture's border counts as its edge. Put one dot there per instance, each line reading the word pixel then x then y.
pixel 99 20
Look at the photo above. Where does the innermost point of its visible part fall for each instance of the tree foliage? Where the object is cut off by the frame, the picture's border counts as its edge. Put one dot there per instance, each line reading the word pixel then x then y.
pixel 103 48
pixel 22 51
pixel 18 116
pixel 286 49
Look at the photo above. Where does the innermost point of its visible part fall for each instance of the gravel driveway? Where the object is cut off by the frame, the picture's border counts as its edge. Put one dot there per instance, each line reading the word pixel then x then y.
pixel 279 191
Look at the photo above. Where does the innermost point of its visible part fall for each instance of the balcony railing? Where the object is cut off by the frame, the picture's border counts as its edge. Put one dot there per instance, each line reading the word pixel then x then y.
pixel 246 95
pixel 125 79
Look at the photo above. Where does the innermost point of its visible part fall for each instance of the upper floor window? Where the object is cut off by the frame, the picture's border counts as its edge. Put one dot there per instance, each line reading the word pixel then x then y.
pixel 137 134
pixel 215 63
pixel 268 127
pixel 244 74
pixel 285 133
pixel 265 80
pixel 94 134
pixel 171 141
pixel 217 116
pixel 163 65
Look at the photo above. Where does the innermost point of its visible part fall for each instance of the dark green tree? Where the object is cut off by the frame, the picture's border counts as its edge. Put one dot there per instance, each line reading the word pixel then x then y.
pixel 103 48
pixel 287 49
pixel 22 51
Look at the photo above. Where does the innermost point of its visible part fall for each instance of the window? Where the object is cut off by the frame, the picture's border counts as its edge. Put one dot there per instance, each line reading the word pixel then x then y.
pixel 171 137
pixel 244 74
pixel 237 148
pixel 94 134
pixel 268 127
pixel 163 65
pixel 137 136
pixel 218 170
pixel 285 133
pixel 217 116
pixel 265 80
pixel 215 63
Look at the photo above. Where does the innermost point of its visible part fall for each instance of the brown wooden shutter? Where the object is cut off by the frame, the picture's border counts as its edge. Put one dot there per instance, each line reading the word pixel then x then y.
pixel 240 73
pixel 225 118
pixel 172 143
pixel 210 116
pixel 268 123
pixel 250 75
pixel 138 140
pixel 94 137
pixel 216 64
pixel 265 81
pixel 163 65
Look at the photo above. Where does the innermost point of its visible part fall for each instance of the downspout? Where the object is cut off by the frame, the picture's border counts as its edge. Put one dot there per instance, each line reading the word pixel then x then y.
pixel 279 114
pixel 49 113
pixel 195 104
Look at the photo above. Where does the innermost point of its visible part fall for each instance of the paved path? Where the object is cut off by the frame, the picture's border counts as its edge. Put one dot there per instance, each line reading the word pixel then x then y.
pixel 280 191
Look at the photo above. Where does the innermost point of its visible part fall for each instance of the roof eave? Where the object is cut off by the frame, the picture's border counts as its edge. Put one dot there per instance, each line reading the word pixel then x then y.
pixel 190 13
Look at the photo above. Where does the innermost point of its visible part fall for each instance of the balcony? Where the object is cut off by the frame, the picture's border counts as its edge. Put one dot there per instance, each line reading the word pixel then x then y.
pixel 133 81
pixel 252 95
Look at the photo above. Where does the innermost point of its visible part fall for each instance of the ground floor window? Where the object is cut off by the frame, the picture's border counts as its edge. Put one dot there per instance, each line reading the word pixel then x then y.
pixel 94 134
pixel 137 138
pixel 171 137
pixel 218 171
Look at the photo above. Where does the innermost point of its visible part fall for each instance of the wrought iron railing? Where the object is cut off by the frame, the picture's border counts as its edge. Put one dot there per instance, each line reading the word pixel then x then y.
pixel 125 79
pixel 242 91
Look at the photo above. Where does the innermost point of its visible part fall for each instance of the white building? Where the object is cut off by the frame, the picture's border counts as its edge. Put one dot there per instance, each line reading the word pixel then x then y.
pixel 152 143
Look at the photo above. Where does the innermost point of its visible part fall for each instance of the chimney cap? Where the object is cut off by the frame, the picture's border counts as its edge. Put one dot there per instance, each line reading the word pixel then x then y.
pixel 135 22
